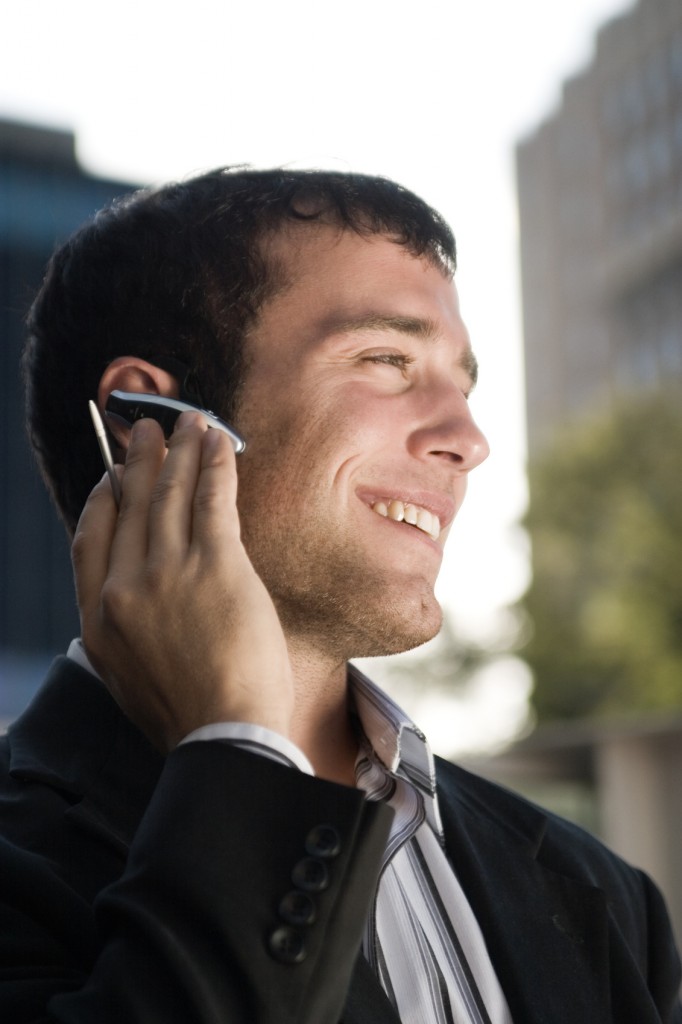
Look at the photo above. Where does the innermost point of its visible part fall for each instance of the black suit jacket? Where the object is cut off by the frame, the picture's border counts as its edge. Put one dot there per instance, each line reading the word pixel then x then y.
pixel 137 890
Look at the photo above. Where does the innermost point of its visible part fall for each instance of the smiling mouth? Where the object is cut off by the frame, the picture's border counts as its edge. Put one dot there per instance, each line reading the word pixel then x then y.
pixel 415 515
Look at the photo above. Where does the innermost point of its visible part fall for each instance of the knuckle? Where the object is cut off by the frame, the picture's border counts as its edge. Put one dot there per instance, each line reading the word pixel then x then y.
pixel 209 501
pixel 117 602
pixel 166 489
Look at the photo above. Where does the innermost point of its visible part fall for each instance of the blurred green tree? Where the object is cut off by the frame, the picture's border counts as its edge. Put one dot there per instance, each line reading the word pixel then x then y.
pixel 605 603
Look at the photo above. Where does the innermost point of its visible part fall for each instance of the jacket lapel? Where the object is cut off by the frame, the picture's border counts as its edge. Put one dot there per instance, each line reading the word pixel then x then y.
pixel 547 934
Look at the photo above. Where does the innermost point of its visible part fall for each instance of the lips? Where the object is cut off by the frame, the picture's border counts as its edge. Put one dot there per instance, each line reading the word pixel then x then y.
pixel 408 512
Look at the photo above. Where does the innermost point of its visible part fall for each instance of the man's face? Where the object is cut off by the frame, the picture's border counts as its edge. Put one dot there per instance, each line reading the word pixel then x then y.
pixel 354 406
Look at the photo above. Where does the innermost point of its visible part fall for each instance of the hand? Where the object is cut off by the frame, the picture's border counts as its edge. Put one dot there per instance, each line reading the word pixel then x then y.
pixel 173 614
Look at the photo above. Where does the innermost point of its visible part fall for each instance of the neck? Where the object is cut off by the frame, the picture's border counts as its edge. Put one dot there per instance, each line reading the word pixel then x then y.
pixel 322 725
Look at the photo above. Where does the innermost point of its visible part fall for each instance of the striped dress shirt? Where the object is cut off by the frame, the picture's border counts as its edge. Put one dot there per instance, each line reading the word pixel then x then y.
pixel 421 937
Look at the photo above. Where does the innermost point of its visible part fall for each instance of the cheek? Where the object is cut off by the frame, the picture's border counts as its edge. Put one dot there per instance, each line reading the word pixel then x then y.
pixel 316 436
pixel 284 456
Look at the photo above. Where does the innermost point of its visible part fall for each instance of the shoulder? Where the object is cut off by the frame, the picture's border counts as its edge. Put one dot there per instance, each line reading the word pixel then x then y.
pixel 558 844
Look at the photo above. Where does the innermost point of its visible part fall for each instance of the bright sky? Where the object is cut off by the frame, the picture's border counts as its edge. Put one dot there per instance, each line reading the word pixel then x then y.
pixel 433 95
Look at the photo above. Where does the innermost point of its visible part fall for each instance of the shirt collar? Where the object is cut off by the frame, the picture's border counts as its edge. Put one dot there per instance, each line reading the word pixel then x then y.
pixel 76 652
pixel 397 742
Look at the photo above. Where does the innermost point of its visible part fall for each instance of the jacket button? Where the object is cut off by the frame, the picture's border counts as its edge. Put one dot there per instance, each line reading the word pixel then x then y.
pixel 297 908
pixel 323 841
pixel 287 945
pixel 310 875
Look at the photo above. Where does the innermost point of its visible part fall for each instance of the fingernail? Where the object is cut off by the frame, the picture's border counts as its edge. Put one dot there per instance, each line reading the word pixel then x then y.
pixel 213 439
pixel 190 419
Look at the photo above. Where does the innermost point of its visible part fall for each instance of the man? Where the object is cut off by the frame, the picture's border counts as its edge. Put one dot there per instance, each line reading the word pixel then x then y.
pixel 249 831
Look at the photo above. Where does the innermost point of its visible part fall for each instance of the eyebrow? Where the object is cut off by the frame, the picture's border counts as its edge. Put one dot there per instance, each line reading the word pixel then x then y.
pixel 417 327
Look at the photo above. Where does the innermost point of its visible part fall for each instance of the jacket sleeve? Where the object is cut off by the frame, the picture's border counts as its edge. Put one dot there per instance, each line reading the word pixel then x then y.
pixel 242 901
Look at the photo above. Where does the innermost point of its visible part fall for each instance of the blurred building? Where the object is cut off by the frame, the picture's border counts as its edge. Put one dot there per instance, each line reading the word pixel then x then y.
pixel 600 212
pixel 44 196
pixel 600 206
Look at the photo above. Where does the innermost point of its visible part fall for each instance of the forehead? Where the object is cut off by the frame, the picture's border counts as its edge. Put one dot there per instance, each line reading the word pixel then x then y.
pixel 334 274
pixel 297 247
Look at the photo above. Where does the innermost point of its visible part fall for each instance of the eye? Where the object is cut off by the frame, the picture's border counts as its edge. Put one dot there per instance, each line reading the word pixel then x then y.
pixel 398 359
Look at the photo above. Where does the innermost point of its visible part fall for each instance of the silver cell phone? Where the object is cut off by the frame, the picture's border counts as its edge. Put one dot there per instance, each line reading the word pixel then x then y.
pixel 127 407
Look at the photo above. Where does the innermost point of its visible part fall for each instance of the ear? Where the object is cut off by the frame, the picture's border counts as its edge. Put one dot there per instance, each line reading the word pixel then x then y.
pixel 128 373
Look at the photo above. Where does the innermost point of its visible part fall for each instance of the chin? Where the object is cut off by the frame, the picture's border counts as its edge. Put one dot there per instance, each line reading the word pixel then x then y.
pixel 386 634
pixel 348 611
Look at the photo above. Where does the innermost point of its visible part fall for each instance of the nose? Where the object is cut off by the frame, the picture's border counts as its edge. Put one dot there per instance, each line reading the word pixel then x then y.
pixel 447 430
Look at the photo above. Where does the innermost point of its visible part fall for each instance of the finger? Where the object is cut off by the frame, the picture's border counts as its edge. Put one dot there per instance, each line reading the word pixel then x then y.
pixel 170 514
pixel 144 459
pixel 91 547
pixel 215 502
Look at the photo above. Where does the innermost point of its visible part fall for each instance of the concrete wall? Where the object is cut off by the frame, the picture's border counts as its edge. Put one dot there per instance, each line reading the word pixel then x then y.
pixel 639 792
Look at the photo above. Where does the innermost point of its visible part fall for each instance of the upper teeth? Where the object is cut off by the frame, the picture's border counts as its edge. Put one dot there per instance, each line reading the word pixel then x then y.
pixel 409 513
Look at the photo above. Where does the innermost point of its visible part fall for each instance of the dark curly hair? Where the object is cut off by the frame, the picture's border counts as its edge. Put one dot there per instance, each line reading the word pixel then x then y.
pixel 178 275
